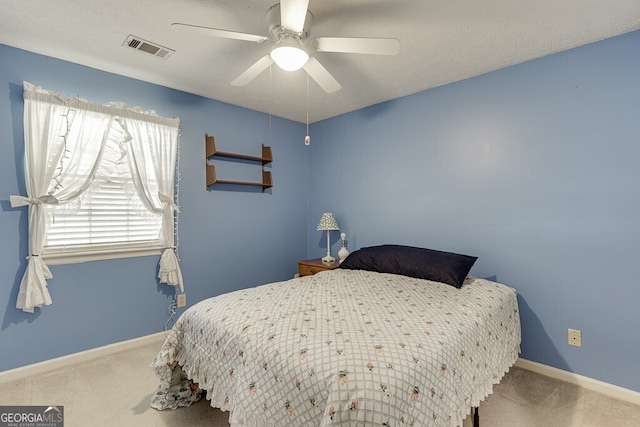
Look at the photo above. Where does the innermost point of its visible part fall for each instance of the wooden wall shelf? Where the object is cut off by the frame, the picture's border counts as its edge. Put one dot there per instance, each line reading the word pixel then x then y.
pixel 211 151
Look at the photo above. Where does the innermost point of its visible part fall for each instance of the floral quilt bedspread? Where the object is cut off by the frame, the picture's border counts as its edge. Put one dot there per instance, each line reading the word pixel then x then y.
pixel 344 348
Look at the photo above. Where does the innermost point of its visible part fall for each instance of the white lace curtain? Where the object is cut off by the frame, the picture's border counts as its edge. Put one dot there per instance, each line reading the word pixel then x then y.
pixel 58 132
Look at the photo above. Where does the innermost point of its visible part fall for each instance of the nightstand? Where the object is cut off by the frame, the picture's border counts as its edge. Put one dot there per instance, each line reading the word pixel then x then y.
pixel 313 266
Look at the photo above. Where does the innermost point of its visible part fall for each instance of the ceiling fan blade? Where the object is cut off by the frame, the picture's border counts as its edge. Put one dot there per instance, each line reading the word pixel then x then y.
pixel 253 71
pixel 215 32
pixel 292 14
pixel 371 46
pixel 321 76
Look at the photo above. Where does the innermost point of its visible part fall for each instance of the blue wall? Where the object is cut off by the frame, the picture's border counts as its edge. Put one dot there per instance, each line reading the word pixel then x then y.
pixel 229 237
pixel 533 168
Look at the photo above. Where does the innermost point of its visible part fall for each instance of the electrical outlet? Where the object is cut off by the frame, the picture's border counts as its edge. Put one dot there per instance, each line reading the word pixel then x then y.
pixel 182 300
pixel 575 337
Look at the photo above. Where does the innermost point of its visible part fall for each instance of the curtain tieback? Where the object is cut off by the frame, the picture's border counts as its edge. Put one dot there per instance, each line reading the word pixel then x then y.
pixel 165 199
pixel 17 201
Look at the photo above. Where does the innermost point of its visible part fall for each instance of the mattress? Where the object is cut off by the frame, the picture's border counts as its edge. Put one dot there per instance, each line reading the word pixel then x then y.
pixel 344 348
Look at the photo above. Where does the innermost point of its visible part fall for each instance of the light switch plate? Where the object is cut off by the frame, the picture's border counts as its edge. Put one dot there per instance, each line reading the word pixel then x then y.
pixel 575 337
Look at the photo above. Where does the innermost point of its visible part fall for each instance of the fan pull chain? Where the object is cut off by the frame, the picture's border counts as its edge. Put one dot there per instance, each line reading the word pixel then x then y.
pixel 307 139
pixel 270 102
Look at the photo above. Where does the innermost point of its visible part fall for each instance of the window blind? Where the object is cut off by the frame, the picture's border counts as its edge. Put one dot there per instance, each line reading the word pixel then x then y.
pixel 107 215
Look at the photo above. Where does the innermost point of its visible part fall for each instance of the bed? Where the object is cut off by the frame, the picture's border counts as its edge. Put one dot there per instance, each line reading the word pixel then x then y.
pixel 355 346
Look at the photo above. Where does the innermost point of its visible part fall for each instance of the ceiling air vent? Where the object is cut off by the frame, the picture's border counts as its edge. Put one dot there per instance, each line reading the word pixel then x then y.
pixel 147 46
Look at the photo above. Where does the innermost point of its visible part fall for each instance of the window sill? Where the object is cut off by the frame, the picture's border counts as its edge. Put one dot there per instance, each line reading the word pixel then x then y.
pixel 80 257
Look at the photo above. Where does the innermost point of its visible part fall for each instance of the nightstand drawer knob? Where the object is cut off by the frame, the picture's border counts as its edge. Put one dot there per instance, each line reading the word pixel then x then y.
pixel 314 271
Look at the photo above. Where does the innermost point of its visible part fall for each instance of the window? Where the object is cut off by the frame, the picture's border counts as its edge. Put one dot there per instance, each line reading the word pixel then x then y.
pixel 100 184
pixel 109 219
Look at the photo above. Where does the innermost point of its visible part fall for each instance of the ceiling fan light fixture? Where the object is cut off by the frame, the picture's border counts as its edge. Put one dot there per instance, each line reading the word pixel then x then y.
pixel 289 58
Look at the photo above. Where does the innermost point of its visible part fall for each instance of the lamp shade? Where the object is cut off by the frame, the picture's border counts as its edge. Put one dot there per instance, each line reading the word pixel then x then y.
pixel 289 58
pixel 328 222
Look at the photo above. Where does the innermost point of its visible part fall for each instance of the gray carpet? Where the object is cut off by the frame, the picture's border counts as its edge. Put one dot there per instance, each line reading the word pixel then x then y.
pixel 115 391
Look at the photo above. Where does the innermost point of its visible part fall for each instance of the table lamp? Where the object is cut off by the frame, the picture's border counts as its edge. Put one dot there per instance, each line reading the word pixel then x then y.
pixel 328 222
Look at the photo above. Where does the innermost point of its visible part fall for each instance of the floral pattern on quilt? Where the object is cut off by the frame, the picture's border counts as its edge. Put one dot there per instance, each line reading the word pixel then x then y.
pixel 347 348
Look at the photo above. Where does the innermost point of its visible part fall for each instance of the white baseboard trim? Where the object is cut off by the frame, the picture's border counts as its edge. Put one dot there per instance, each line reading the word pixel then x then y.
pixel 83 356
pixel 589 383
pixel 87 355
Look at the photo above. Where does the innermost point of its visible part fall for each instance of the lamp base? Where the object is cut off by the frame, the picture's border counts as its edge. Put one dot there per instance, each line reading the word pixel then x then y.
pixel 328 259
pixel 343 253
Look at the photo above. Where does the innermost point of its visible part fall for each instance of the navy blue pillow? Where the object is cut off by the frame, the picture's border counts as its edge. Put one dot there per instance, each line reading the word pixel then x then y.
pixel 445 267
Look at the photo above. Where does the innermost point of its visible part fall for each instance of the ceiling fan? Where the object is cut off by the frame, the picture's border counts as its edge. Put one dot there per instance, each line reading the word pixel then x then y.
pixel 289 24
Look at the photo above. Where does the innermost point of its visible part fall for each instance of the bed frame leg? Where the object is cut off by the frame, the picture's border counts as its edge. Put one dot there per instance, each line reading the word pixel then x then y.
pixel 476 417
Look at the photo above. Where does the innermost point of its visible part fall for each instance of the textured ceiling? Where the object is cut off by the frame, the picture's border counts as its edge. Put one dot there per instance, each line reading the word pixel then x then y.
pixel 441 42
